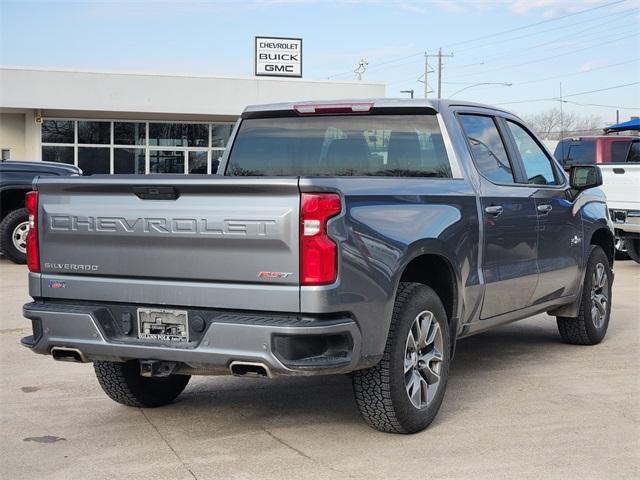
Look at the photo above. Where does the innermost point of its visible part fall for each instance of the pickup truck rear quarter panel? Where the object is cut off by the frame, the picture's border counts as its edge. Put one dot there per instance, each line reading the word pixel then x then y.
pixel 380 232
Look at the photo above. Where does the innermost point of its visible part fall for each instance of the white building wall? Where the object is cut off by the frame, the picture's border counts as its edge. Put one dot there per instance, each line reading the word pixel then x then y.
pixel 12 134
pixel 118 92
pixel 28 94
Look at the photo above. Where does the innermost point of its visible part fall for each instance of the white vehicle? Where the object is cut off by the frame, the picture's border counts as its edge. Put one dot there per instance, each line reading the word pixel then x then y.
pixel 621 184
pixel 618 156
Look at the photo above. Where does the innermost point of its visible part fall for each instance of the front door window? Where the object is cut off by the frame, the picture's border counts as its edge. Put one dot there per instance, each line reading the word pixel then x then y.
pixel 537 165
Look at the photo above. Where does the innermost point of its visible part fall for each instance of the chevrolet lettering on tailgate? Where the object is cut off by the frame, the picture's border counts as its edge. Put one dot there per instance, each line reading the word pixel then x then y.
pixel 203 226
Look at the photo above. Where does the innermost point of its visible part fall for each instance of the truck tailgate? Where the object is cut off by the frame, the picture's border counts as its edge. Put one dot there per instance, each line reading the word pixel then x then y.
pixel 215 230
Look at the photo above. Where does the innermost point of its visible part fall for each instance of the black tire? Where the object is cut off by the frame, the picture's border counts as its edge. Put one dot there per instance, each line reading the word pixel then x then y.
pixel 633 248
pixel 585 329
pixel 7 228
pixel 122 382
pixel 380 391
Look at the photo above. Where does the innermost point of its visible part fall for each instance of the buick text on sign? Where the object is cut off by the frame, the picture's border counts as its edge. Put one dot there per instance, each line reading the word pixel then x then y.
pixel 278 57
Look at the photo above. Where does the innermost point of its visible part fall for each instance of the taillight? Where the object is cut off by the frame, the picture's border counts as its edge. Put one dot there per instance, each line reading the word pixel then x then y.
pixel 33 253
pixel 318 258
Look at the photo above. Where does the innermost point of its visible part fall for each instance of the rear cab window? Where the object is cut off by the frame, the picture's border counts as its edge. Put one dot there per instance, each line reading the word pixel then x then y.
pixel 340 145
pixel 576 152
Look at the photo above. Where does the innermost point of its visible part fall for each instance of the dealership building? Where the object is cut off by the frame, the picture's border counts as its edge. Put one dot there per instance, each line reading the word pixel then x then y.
pixel 123 123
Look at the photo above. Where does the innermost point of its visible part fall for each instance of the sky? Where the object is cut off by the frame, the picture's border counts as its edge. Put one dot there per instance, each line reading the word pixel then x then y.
pixel 534 45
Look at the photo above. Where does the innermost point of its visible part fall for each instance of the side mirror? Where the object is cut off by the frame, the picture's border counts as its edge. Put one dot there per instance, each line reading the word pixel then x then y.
pixel 582 177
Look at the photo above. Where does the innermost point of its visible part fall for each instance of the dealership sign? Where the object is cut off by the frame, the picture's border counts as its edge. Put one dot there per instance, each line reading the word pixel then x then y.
pixel 278 57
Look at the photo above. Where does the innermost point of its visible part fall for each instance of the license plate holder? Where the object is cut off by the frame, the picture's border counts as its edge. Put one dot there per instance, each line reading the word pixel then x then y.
pixel 163 325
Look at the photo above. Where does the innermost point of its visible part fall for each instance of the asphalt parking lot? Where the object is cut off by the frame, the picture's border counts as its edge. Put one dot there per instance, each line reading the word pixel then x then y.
pixel 520 404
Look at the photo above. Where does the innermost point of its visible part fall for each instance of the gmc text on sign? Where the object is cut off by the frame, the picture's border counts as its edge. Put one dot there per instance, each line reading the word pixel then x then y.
pixel 278 57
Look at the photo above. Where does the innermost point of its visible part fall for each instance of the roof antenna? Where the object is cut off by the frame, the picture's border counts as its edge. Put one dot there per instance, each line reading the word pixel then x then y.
pixel 361 68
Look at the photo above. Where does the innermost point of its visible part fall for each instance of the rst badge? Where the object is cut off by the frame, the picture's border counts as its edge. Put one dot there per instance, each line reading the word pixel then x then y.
pixel 273 275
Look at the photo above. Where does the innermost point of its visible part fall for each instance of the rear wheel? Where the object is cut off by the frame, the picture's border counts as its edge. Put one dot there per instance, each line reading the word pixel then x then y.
pixel 122 382
pixel 590 326
pixel 13 235
pixel 404 391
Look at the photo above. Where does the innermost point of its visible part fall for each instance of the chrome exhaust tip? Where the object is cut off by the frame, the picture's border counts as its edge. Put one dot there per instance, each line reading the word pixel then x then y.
pixel 249 369
pixel 67 354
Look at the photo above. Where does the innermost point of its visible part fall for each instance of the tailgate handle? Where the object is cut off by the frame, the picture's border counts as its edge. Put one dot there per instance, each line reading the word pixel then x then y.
pixel 618 170
pixel 156 193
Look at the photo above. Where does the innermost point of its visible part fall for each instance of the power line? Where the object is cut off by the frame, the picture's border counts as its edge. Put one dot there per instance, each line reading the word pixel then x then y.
pixel 598 7
pixel 602 89
pixel 570 95
pixel 377 66
pixel 540 32
pixel 600 105
pixel 538 60
pixel 574 35
pixel 537 80
pixel 578 73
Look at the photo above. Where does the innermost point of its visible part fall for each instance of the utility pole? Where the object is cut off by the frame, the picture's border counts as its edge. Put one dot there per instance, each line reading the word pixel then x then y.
pixel 439 73
pixel 561 118
pixel 426 74
pixel 427 71
pixel 440 55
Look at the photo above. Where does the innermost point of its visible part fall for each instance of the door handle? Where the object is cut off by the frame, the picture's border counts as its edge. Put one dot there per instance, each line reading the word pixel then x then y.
pixel 544 208
pixel 494 210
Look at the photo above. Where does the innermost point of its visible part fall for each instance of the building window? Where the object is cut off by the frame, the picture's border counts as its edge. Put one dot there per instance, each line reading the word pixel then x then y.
pixel 129 133
pixel 133 147
pixel 94 133
pixel 58 154
pixel 58 131
pixel 6 154
pixel 129 160
pixel 92 160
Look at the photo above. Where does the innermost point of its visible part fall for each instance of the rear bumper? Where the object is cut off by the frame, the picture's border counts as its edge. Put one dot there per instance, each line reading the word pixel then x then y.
pixel 284 344
pixel 626 220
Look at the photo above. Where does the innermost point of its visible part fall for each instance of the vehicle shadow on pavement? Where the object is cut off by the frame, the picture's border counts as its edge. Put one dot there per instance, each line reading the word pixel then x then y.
pixel 239 404
pixel 506 347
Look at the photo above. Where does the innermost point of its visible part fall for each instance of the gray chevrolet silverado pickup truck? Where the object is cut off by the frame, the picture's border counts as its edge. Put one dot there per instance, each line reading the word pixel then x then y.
pixel 362 237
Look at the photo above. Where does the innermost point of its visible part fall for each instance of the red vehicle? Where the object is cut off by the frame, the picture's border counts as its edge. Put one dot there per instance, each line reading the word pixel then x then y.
pixel 598 149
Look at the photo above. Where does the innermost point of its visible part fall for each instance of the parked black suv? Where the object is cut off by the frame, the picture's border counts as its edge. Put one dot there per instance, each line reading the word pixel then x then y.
pixel 15 181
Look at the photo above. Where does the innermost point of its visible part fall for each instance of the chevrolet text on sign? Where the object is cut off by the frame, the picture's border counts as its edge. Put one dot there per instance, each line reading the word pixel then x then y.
pixel 280 57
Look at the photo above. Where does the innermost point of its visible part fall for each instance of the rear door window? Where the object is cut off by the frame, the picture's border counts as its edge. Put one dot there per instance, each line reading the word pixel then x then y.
pixel 378 145
pixel 487 148
pixel 537 165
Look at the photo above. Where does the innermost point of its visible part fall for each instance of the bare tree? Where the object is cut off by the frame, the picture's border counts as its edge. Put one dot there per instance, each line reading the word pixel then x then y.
pixel 551 125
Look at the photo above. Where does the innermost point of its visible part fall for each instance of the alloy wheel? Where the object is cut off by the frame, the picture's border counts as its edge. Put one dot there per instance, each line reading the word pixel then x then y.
pixel 599 295
pixel 423 359
pixel 19 237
